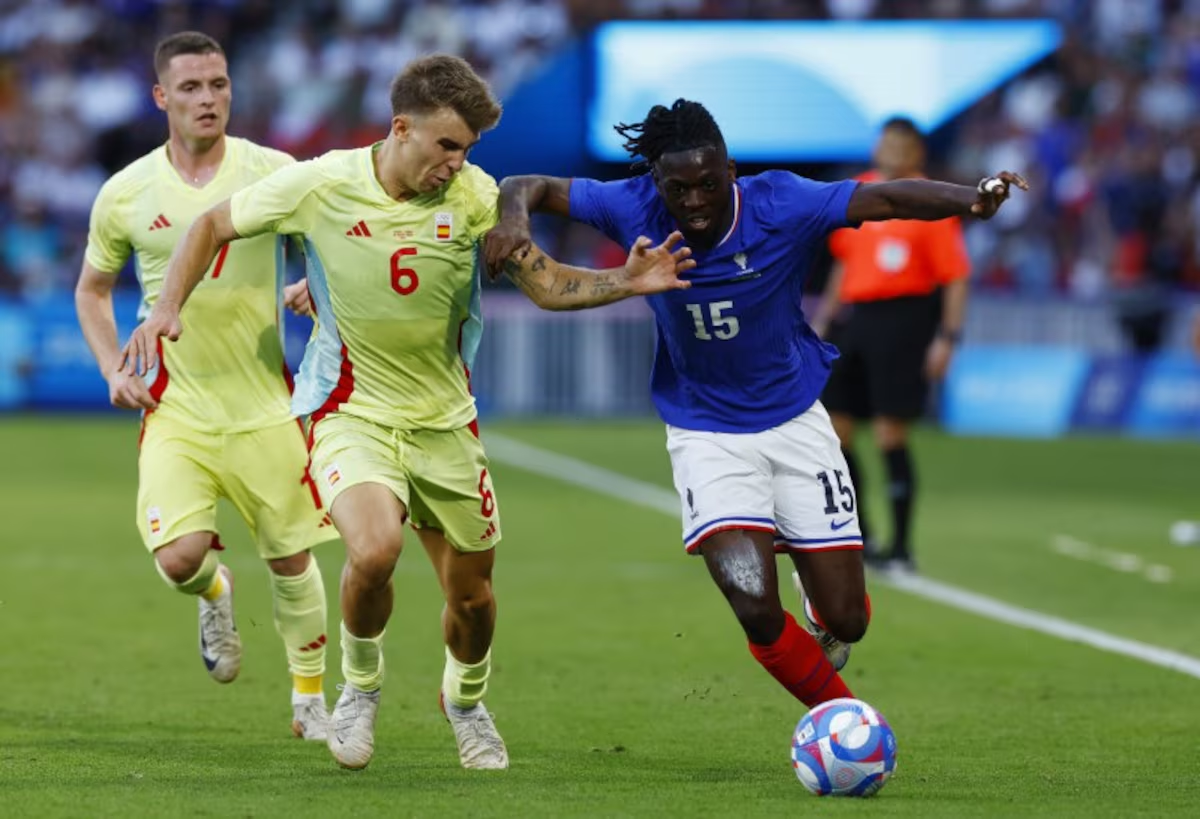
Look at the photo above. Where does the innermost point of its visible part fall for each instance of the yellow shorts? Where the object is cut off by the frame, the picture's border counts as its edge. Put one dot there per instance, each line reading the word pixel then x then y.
pixel 440 476
pixel 263 473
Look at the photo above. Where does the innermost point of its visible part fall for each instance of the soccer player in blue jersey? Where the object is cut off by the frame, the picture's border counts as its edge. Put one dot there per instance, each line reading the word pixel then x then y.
pixel 738 371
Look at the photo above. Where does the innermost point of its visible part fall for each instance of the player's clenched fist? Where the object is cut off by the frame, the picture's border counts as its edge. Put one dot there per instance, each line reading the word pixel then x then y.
pixel 653 269
pixel 993 191
pixel 140 353
pixel 509 236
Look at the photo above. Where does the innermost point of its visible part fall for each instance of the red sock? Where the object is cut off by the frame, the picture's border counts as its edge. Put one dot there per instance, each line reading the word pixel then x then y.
pixel 799 664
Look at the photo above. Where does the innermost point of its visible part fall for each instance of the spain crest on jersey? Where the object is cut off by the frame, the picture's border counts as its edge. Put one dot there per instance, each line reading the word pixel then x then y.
pixel 443 226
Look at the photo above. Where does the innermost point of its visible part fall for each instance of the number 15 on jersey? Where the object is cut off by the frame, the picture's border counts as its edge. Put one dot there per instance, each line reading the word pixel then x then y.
pixel 714 322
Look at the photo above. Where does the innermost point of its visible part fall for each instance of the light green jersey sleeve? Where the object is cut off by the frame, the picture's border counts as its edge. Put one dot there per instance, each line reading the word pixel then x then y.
pixel 279 203
pixel 484 204
pixel 108 244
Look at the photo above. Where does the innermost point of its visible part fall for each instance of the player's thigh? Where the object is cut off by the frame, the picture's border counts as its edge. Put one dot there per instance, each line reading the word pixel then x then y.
pixel 846 390
pixel 178 485
pixel 816 505
pixel 452 488
pixel 465 577
pixel 267 478
pixel 894 353
pixel 349 451
pixel 723 481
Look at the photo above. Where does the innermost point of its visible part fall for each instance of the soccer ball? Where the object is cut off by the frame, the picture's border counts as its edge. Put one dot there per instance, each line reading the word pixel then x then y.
pixel 844 747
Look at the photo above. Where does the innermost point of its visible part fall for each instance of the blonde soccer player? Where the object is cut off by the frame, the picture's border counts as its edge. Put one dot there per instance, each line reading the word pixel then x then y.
pixel 217 420
pixel 392 235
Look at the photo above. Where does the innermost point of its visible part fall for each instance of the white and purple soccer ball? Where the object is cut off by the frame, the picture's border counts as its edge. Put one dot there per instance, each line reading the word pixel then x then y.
pixel 844 747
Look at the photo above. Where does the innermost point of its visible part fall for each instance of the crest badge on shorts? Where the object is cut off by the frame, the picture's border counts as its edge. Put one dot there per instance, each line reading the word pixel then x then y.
pixel 443 226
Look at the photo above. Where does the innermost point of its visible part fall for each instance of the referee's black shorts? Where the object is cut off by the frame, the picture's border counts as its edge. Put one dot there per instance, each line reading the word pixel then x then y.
pixel 881 368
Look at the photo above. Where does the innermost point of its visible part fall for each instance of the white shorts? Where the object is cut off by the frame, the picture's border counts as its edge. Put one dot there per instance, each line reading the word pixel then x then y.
pixel 791 480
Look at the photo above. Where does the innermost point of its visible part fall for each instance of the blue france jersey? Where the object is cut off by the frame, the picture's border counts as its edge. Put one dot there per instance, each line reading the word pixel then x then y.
pixel 734 352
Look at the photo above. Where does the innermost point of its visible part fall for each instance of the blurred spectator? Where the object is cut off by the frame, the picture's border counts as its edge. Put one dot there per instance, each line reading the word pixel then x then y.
pixel 1107 129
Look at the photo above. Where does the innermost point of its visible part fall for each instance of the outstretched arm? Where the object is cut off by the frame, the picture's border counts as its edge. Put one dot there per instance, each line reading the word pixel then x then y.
pixel 520 196
pixel 928 200
pixel 554 286
pixel 189 263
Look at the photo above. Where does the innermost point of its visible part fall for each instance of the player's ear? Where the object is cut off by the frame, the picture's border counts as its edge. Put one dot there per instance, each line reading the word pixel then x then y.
pixel 732 169
pixel 401 127
pixel 160 96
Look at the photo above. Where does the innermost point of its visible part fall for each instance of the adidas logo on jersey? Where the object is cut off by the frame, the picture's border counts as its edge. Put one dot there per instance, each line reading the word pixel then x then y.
pixel 160 222
pixel 360 229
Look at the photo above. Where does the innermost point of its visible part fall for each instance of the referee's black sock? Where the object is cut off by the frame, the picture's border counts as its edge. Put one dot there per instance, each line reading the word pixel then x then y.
pixel 859 496
pixel 902 486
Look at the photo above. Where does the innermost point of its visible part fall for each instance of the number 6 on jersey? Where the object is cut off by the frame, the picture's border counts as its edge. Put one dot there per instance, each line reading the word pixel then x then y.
pixel 404 279
pixel 722 326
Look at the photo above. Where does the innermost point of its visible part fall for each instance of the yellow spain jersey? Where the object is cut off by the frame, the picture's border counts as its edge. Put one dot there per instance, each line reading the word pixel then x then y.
pixel 226 374
pixel 394 285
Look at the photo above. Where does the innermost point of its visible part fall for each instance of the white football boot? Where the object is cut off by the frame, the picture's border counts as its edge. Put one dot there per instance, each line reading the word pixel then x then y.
pixel 352 727
pixel 310 719
pixel 835 650
pixel 220 644
pixel 479 744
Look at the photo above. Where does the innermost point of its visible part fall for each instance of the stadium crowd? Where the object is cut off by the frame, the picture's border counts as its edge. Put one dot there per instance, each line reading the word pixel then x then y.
pixel 1106 129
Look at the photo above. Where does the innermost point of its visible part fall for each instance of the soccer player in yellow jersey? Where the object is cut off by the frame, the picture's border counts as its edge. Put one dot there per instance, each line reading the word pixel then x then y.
pixel 392 235
pixel 217 420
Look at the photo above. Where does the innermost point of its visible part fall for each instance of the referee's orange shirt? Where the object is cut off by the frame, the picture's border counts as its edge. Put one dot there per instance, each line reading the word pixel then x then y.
pixel 899 257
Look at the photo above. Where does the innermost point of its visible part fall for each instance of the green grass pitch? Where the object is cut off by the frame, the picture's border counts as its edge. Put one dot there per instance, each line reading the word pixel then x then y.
pixel 622 684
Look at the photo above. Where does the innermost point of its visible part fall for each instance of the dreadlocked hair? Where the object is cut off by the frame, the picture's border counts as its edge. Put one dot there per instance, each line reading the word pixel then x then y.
pixel 684 126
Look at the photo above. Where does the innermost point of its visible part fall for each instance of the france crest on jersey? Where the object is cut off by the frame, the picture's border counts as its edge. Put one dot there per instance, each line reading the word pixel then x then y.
pixel 734 353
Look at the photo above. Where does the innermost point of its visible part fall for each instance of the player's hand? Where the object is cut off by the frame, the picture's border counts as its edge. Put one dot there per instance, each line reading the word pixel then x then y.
pixel 297 299
pixel 937 359
pixel 993 190
pixel 129 392
pixel 140 353
pixel 510 235
pixel 656 269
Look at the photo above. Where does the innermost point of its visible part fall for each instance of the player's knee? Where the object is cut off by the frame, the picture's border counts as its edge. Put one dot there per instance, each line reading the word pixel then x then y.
pixel 290 566
pixel 179 561
pixel 474 603
pixel 372 551
pixel 847 623
pixel 761 620
pixel 375 564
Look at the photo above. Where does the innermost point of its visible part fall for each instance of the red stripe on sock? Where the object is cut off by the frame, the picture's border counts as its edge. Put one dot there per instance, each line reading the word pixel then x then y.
pixel 800 666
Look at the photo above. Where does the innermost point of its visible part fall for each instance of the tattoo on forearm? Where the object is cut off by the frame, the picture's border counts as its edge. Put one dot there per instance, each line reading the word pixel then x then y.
pixel 602 285
pixel 557 287
pixel 520 275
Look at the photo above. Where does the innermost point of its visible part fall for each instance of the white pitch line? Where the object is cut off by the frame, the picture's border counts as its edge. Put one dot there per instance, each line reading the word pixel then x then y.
pixel 597 479
pixel 1073 547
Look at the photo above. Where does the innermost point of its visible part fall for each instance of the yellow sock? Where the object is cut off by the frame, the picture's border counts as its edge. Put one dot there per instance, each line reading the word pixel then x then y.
pixel 308 685
pixel 214 591
pixel 300 618
pixel 362 660
pixel 465 684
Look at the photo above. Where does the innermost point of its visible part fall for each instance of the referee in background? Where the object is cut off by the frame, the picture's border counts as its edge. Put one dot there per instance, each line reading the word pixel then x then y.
pixel 894 306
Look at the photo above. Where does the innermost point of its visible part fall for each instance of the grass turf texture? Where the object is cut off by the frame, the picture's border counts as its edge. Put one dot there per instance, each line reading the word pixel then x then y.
pixel 622 684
